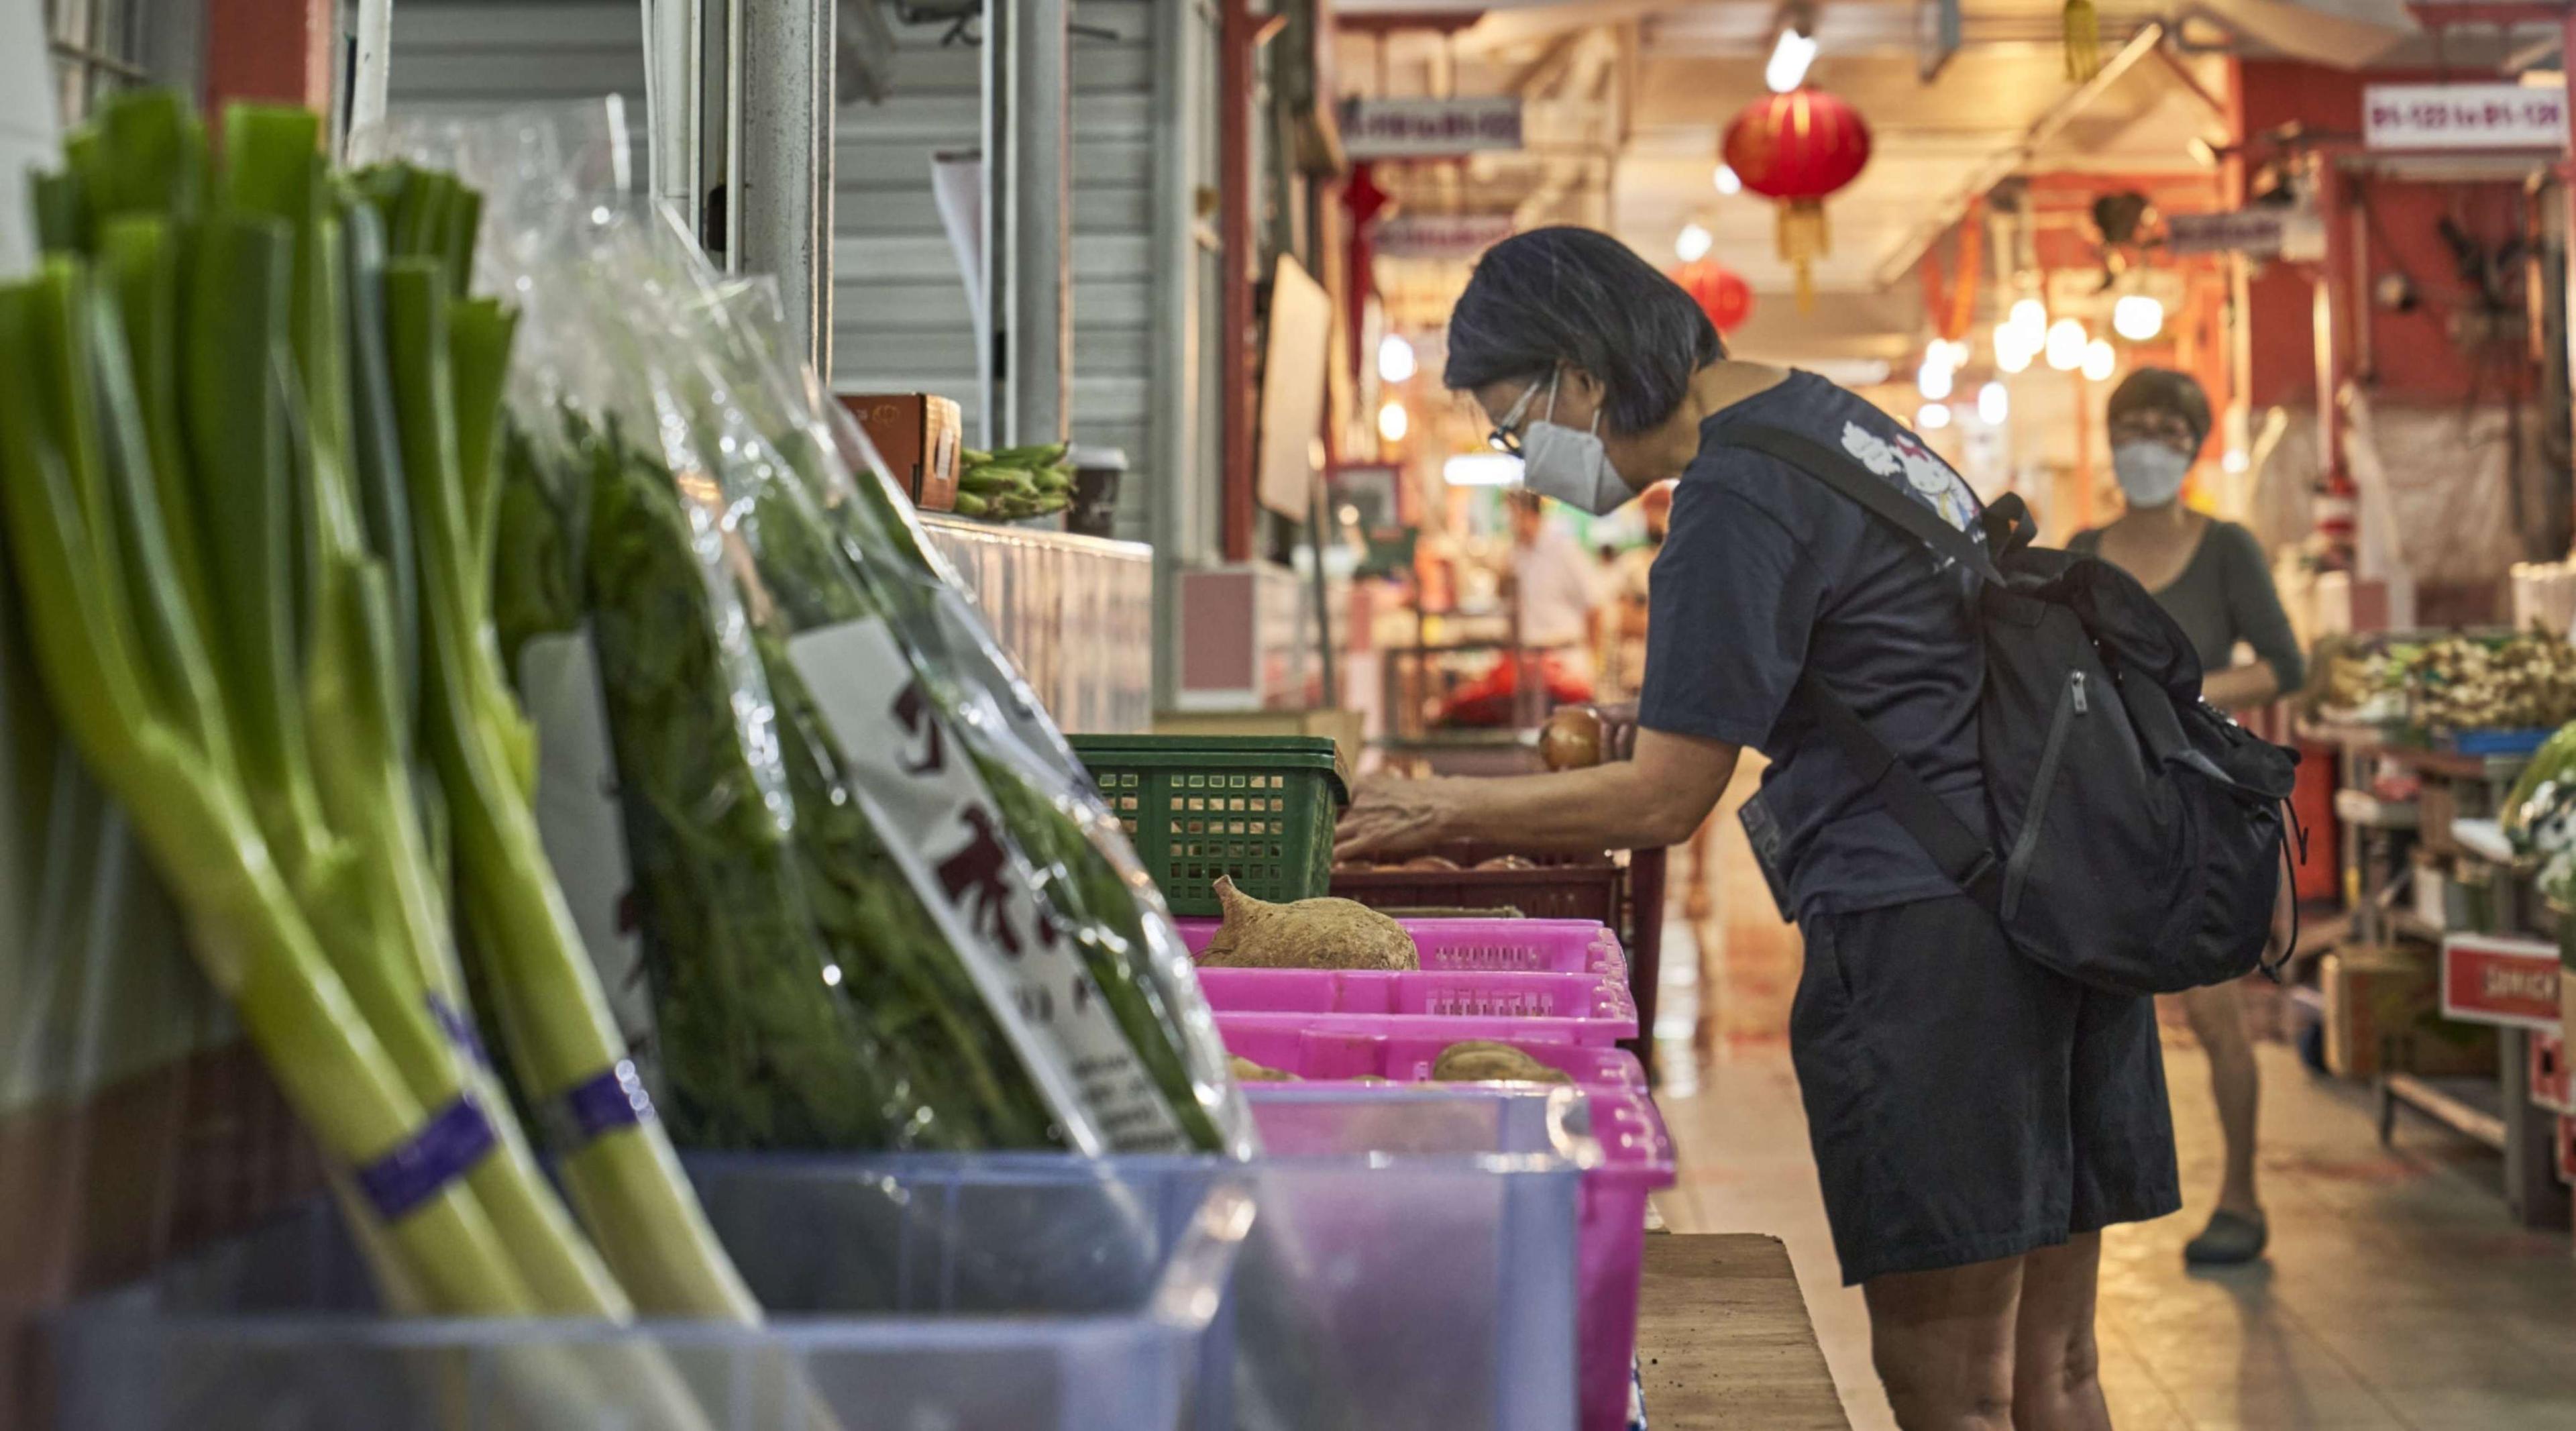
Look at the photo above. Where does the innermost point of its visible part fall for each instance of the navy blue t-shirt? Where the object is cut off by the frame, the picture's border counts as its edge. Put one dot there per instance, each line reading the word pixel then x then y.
pixel 1767 573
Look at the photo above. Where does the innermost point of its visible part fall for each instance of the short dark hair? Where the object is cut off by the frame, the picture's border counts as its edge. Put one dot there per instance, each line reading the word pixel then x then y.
pixel 1583 300
pixel 2162 390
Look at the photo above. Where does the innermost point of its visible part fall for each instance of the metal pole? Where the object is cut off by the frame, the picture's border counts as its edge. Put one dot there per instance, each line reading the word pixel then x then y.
pixel 369 67
pixel 783 191
pixel 1238 37
pixel 674 99
pixel 1038 162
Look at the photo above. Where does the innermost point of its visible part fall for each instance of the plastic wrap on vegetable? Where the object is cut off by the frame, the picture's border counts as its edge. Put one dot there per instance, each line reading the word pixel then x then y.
pixel 2541 794
pixel 796 802
pixel 1088 869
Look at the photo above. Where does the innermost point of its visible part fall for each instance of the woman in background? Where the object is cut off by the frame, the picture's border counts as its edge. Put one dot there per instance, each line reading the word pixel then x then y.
pixel 2210 576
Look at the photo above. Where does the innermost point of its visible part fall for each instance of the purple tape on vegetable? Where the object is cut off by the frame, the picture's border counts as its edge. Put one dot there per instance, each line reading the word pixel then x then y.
pixel 446 1147
pixel 599 1106
pixel 459 1029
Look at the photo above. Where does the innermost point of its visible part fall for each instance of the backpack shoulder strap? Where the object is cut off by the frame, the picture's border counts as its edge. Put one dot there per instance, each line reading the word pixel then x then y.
pixel 1965 859
pixel 1842 472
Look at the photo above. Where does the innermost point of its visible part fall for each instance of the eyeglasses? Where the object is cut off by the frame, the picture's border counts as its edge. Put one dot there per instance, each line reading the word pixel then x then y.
pixel 2153 427
pixel 1506 436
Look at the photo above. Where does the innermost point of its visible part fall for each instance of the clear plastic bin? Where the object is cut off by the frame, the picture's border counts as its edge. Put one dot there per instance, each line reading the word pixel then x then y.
pixel 1026 1291
pixel 1525 946
pixel 1020 1293
pixel 1615 1135
pixel 1591 998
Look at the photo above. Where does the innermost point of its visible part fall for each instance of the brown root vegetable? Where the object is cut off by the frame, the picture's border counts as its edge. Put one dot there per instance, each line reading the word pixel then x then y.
pixel 1429 862
pixel 1484 1061
pixel 1309 934
pixel 1509 862
pixel 1246 1071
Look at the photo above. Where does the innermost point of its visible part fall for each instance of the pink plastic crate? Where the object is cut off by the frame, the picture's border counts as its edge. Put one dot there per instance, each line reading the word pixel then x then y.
pixel 1591 998
pixel 1353 1048
pixel 1524 946
pixel 1589 1033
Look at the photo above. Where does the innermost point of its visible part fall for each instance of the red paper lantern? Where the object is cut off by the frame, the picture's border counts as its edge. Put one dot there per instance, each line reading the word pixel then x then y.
pixel 1720 291
pixel 1798 148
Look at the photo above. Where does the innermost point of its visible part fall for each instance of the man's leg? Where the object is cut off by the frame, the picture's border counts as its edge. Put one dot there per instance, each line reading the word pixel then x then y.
pixel 2057 1384
pixel 1943 1344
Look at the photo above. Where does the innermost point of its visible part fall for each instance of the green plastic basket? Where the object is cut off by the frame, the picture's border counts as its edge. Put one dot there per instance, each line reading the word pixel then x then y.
pixel 1258 808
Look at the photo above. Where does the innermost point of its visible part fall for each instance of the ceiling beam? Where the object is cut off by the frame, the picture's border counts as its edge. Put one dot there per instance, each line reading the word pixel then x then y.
pixel 2000 165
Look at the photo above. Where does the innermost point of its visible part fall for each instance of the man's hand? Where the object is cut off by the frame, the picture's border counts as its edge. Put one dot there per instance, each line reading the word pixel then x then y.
pixel 1390 815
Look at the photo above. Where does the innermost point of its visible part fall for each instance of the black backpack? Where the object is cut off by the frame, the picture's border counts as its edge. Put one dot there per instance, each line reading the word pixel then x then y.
pixel 2139 835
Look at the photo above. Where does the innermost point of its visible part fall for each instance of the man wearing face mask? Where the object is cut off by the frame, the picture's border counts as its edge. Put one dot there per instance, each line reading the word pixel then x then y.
pixel 2211 576
pixel 1977 1119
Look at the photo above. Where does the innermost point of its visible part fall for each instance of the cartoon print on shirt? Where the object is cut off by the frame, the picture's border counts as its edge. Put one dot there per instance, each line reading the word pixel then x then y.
pixel 1924 472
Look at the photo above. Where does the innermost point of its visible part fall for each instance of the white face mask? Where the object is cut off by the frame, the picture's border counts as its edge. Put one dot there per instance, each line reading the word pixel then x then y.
pixel 1570 464
pixel 2151 474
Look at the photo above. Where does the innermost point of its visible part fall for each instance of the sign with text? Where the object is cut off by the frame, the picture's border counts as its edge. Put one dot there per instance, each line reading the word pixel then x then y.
pixel 2512 982
pixel 1440 236
pixel 2463 116
pixel 1430 128
pixel 2248 231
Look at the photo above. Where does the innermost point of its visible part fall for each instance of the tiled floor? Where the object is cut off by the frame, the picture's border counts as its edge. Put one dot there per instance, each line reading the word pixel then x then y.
pixel 2397 1295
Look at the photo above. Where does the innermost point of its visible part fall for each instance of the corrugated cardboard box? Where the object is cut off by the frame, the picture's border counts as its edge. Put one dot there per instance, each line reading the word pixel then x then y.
pixel 2385 1004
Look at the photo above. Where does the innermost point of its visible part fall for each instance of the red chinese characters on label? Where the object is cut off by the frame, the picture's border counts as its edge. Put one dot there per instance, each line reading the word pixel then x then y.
pixel 2513 982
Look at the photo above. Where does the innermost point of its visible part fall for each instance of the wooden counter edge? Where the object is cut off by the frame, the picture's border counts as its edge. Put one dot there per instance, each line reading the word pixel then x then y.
pixel 1724 1339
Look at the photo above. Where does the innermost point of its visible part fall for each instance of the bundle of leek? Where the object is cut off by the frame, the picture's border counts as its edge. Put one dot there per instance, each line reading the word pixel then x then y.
pixel 234 440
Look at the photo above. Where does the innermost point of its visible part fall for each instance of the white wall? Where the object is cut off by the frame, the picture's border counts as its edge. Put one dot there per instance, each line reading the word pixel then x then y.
pixel 26 123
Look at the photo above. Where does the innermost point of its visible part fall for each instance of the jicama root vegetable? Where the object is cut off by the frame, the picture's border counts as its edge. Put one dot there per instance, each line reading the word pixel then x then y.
pixel 1309 934
pixel 1483 1061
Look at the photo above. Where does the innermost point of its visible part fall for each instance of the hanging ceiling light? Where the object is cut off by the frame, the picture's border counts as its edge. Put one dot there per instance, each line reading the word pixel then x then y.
pixel 1393 422
pixel 2099 361
pixel 2013 348
pixel 1993 404
pixel 1790 56
pixel 1693 243
pixel 2065 347
pixel 1935 380
pixel 2031 316
pixel 2137 317
pixel 1932 418
pixel 1727 182
pixel 1395 359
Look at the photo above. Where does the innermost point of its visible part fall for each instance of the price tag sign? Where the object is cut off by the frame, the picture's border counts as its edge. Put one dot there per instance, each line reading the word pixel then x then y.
pixel 1430 128
pixel 2509 982
pixel 2431 117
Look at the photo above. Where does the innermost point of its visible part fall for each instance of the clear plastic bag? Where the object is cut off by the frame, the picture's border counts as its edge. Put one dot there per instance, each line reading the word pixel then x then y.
pixel 847 762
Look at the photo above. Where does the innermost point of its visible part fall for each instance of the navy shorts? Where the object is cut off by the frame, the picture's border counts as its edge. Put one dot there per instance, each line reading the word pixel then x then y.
pixel 1966 1104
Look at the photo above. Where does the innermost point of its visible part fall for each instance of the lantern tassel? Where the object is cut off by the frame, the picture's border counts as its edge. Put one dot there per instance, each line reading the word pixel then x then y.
pixel 1804 237
pixel 2082 28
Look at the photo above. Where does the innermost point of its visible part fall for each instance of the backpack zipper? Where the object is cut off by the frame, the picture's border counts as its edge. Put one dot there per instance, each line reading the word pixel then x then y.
pixel 2072 704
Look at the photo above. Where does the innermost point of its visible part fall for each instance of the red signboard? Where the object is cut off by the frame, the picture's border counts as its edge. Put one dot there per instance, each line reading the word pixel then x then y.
pixel 2567 1150
pixel 2500 981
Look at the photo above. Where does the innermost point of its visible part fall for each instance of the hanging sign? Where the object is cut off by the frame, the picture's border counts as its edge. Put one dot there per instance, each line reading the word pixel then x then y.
pixel 1430 128
pixel 2513 982
pixel 2267 232
pixel 1439 236
pixel 2463 116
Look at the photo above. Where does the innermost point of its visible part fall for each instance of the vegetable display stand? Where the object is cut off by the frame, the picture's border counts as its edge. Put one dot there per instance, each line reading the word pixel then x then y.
pixel 1521 946
pixel 1259 809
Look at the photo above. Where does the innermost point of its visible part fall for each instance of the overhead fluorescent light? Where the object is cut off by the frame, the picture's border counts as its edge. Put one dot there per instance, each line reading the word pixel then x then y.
pixel 1693 243
pixel 1790 56
pixel 1481 469
pixel 1727 181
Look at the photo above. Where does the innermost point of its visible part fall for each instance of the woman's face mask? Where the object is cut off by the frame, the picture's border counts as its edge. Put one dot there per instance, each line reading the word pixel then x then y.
pixel 2151 473
pixel 1570 464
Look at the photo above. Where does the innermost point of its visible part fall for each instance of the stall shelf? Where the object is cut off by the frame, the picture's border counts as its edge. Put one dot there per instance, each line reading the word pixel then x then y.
pixel 2397 798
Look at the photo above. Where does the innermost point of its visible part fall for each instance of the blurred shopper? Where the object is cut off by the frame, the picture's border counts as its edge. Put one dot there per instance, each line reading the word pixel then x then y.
pixel 2211 576
pixel 1557 585
pixel 1977 1119
pixel 1624 644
